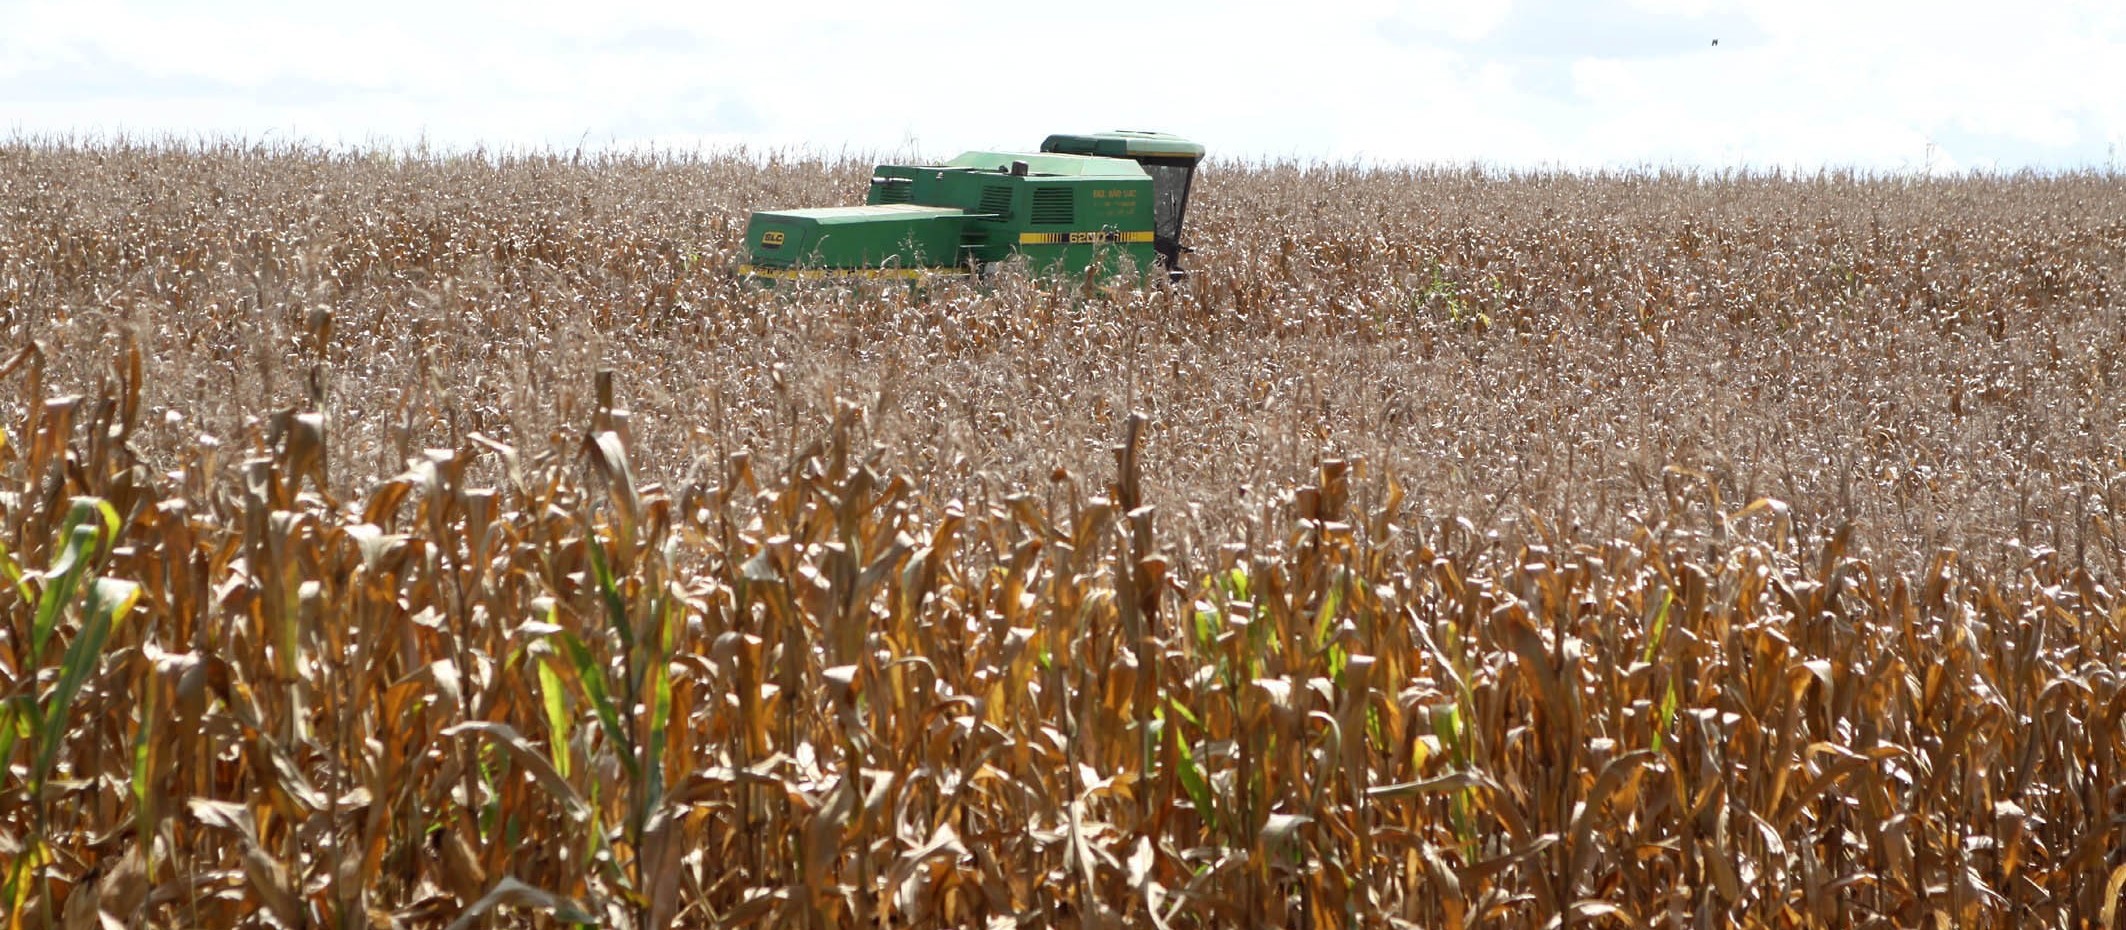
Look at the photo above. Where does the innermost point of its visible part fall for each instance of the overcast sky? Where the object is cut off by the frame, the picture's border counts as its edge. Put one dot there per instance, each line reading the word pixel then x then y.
pixel 1900 86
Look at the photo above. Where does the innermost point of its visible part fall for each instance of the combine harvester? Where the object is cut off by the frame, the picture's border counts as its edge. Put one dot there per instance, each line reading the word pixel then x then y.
pixel 1090 204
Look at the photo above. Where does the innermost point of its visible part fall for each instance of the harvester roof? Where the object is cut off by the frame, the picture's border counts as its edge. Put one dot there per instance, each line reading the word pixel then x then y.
pixel 1077 166
pixel 832 216
pixel 1124 144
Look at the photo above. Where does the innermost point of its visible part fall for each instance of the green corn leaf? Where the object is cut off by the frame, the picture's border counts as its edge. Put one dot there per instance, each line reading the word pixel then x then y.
pixel 1259 643
pixel 144 771
pixel 12 570
pixel 1668 714
pixel 1183 712
pixel 63 578
pixel 609 592
pixel 109 599
pixel 13 724
pixel 111 521
pixel 486 762
pixel 660 716
pixel 1193 782
pixel 1447 725
pixel 557 724
pixel 675 618
pixel 593 678
pixel 78 548
pixel 1330 604
pixel 17 890
pixel 1660 627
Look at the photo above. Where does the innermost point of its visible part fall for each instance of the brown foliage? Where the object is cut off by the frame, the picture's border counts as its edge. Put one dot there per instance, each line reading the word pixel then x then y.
pixel 1937 362
pixel 1508 629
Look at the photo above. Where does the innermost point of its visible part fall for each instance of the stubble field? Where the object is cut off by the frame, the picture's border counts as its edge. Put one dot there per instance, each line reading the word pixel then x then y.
pixel 417 541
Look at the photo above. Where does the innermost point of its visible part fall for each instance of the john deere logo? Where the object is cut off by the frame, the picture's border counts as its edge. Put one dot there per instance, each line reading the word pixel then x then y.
pixel 771 239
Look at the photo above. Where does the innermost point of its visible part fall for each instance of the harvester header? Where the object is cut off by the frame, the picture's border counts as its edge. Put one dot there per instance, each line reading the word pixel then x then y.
pixel 1104 202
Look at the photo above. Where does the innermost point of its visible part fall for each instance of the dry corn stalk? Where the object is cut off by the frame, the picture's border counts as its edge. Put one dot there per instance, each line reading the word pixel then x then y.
pixel 816 697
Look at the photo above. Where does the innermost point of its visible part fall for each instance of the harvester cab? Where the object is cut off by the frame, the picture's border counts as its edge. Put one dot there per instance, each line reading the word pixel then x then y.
pixel 1100 203
pixel 1171 162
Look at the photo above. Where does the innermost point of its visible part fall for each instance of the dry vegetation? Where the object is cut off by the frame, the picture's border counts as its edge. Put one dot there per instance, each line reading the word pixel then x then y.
pixel 1453 551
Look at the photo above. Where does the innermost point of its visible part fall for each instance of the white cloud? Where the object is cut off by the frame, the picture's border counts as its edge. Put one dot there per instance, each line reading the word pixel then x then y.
pixel 1453 20
pixel 1506 82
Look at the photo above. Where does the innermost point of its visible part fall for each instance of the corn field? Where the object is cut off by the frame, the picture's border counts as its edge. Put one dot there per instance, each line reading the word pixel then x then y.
pixel 451 542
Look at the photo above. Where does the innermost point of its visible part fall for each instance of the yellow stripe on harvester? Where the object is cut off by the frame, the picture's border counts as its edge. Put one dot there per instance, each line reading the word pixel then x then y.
pixel 1082 238
pixel 812 274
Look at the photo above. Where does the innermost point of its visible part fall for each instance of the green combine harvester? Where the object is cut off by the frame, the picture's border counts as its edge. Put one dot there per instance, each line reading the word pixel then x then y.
pixel 1098 203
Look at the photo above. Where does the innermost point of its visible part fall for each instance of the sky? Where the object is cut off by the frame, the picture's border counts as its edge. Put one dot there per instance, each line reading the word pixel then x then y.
pixel 1893 86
